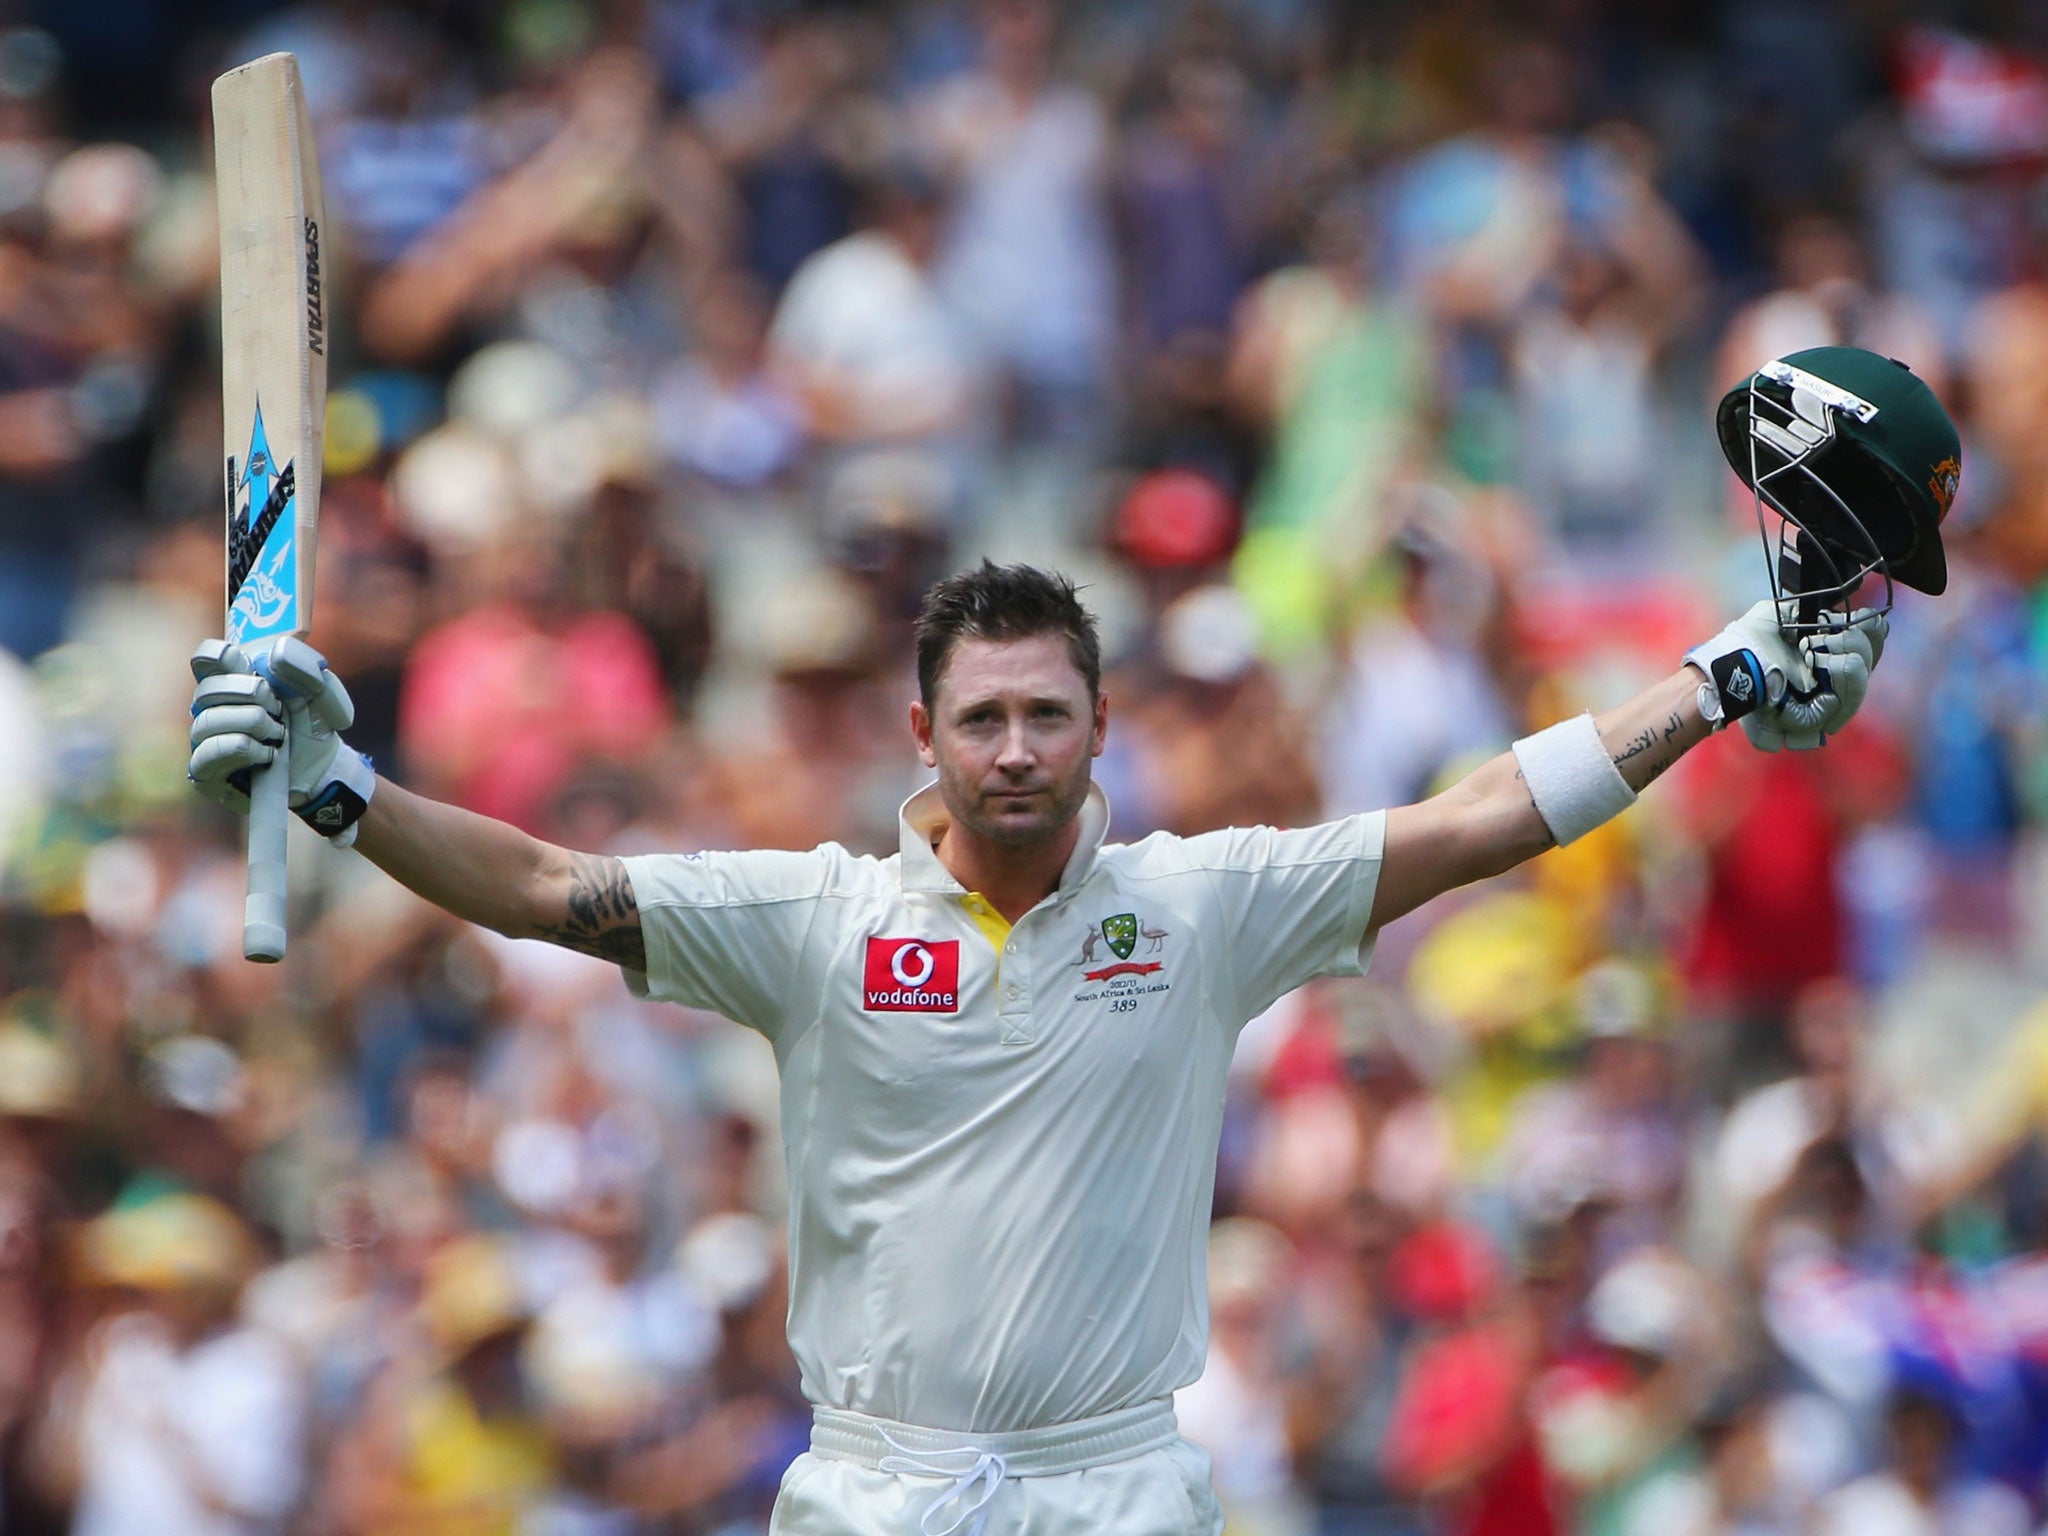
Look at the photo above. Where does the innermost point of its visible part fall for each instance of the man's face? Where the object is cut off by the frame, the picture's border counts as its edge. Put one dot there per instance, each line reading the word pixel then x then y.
pixel 1011 730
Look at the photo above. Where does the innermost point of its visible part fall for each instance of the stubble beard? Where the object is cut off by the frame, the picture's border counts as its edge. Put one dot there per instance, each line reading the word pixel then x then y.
pixel 1064 804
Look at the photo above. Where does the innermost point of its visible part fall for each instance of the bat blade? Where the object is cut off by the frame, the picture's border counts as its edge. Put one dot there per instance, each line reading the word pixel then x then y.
pixel 273 398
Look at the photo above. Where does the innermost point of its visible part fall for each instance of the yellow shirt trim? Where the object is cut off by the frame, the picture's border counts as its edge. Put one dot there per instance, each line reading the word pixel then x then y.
pixel 993 925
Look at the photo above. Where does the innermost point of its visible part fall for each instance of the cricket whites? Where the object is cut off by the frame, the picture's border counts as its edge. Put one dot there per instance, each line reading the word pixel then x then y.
pixel 273 322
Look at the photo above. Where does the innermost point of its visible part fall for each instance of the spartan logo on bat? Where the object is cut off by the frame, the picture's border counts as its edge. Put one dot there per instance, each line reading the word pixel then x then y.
pixel 259 497
pixel 316 310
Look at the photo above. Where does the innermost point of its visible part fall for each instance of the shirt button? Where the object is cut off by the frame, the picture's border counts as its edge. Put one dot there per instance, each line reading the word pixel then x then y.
pixel 1011 992
pixel 1010 948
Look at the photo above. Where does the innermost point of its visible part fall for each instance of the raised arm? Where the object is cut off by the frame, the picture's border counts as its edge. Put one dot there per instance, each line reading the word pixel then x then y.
pixel 497 876
pixel 478 869
pixel 1495 817
pixel 1487 823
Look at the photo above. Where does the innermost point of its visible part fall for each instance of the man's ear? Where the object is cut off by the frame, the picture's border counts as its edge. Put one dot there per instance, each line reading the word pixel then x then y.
pixel 921 733
pixel 1101 724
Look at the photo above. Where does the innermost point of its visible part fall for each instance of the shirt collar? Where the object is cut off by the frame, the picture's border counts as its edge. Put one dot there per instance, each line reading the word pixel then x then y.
pixel 924 817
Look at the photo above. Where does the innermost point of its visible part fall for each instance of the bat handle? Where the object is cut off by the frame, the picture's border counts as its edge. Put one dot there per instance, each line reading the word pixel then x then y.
pixel 263 926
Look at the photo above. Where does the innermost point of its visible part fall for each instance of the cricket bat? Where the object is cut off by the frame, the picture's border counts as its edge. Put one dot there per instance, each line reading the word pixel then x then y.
pixel 273 323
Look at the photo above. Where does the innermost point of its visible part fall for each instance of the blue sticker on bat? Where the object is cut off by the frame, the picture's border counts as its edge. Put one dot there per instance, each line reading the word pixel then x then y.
pixel 262 573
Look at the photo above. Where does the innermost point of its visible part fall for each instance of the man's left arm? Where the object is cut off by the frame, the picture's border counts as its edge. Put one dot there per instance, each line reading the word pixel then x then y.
pixel 1559 783
pixel 1486 823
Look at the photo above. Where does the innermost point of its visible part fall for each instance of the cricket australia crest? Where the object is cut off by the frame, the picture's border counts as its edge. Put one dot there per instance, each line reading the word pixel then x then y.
pixel 1121 934
pixel 1123 981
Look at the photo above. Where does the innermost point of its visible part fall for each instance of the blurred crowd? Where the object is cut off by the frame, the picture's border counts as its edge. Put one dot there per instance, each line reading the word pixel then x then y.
pixel 1360 360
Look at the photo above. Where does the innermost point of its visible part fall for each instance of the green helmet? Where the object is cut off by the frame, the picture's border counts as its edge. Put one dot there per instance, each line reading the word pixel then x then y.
pixel 1861 461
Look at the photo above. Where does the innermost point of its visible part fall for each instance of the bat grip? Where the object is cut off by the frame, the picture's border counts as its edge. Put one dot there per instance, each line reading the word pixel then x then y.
pixel 263 925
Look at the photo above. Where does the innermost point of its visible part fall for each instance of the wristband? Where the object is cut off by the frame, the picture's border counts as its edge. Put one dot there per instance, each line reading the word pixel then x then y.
pixel 340 804
pixel 1571 778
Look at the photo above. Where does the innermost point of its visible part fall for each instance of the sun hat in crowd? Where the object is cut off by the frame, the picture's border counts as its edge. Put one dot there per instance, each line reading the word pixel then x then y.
pixel 168 1241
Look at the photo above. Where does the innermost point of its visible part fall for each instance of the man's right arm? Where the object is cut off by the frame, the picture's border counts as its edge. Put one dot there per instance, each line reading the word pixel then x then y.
pixel 731 928
pixel 480 870
pixel 499 877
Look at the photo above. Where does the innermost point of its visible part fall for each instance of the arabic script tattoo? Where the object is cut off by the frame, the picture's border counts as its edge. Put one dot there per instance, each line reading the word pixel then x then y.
pixel 1650 740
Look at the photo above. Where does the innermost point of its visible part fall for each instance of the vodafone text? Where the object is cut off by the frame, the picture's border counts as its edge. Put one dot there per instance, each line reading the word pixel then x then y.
pixel 911 976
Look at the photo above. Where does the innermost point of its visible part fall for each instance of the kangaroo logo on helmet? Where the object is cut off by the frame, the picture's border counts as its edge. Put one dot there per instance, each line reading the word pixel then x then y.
pixel 1947 476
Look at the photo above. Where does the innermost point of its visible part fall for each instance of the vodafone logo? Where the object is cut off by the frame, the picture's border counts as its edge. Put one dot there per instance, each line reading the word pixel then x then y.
pixel 911 976
pixel 913 965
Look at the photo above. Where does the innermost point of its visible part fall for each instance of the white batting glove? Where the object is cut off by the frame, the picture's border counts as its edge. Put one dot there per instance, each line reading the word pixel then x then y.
pixel 1787 694
pixel 1842 662
pixel 241 710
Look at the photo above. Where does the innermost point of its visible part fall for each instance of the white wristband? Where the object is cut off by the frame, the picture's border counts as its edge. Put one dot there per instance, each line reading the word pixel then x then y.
pixel 1571 778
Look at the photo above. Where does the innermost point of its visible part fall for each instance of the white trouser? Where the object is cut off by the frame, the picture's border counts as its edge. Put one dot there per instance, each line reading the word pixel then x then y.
pixel 1123 1474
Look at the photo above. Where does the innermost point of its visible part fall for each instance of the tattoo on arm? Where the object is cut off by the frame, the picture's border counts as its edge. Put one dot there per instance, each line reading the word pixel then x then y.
pixel 1648 740
pixel 1639 745
pixel 603 918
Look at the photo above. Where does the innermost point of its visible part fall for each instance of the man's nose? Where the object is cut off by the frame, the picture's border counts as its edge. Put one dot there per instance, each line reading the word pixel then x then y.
pixel 1016 751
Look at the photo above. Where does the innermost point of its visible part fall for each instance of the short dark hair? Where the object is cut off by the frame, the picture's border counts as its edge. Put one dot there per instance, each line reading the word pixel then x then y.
pixel 1003 602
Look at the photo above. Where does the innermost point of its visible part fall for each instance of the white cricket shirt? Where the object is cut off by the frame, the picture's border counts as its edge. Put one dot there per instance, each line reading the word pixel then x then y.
pixel 1002 1141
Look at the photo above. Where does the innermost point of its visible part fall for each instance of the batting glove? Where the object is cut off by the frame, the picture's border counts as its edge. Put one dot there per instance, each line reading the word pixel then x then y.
pixel 1786 693
pixel 242 710
pixel 1841 661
